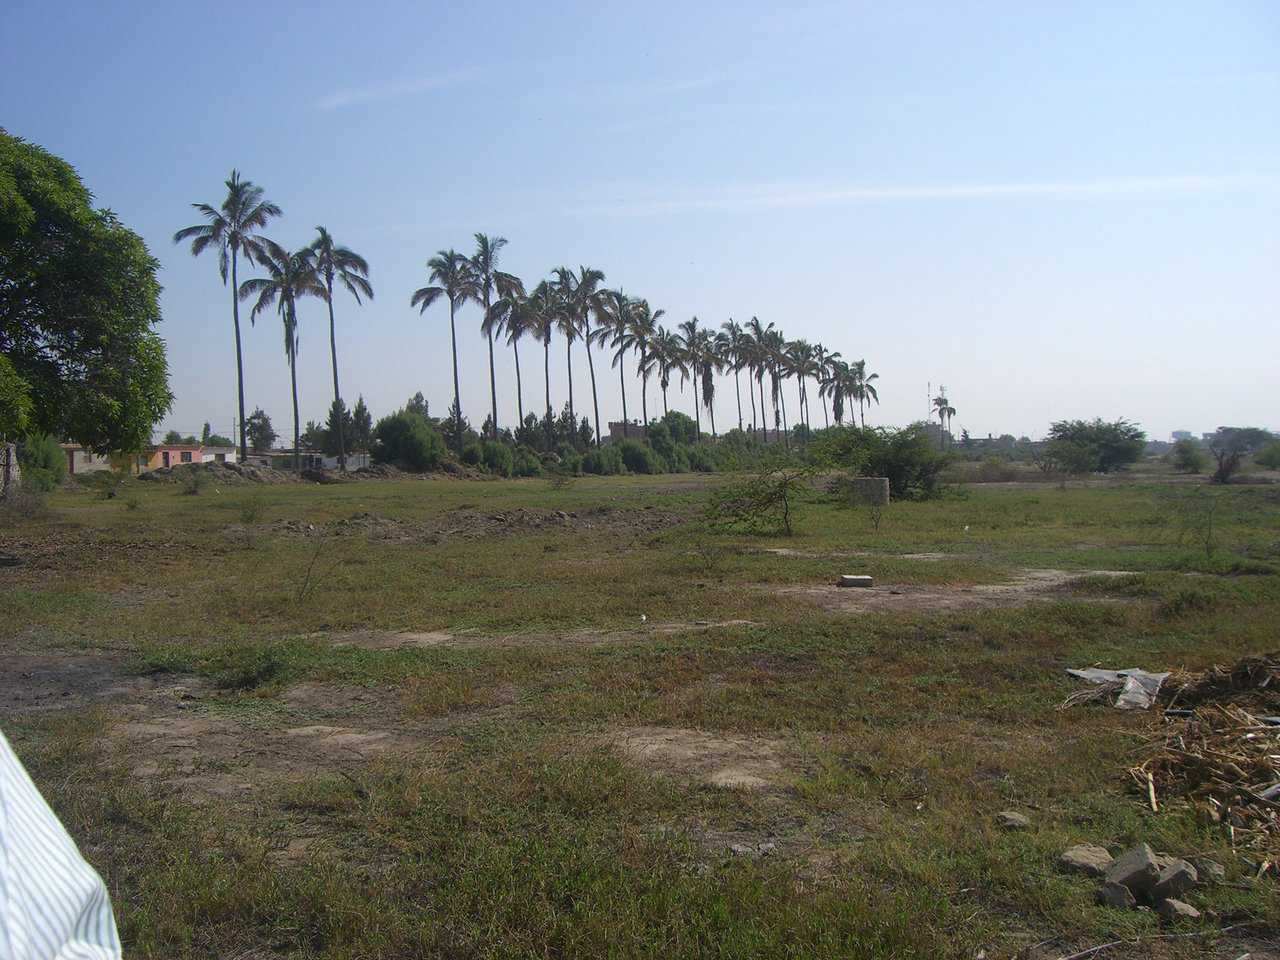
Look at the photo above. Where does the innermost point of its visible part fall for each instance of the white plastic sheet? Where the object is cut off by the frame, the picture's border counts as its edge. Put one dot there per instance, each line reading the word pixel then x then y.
pixel 1138 688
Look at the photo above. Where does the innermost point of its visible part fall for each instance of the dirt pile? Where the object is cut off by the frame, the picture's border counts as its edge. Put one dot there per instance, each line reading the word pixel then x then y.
pixel 223 474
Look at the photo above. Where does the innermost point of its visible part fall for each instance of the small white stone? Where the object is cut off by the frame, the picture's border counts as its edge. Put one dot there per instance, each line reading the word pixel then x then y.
pixel 854 580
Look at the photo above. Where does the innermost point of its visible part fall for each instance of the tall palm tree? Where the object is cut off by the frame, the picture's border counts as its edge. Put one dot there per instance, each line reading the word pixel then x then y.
pixel 760 335
pixel 695 345
pixel 835 384
pixel 451 277
pixel 581 295
pixel 667 353
pixel 775 351
pixel 614 316
pixel 507 317
pixel 290 276
pixel 490 281
pixel 825 360
pixel 798 358
pixel 729 344
pixel 231 230
pixel 539 313
pixel 865 390
pixel 333 262
pixel 644 326
pixel 942 406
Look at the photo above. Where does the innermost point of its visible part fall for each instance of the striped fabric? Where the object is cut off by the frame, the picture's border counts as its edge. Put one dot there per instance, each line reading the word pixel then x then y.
pixel 53 906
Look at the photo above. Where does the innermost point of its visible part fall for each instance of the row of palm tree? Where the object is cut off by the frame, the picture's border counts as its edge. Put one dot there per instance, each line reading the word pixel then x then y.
pixel 233 230
pixel 565 303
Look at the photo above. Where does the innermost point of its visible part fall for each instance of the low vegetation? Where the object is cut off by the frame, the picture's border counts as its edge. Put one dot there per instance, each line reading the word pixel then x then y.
pixel 298 722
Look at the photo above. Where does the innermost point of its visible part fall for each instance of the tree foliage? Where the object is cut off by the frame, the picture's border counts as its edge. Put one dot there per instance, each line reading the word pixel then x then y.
pixel 407 440
pixel 43 463
pixel 15 402
pixel 260 432
pixel 79 301
pixel 1095 446
pixel 1230 445
pixel 1188 457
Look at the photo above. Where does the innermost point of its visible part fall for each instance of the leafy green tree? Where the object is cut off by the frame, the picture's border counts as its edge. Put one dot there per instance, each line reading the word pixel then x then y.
pixel 259 430
pixel 1095 446
pixel 44 463
pixel 173 437
pixel 338 428
pixel 79 302
pixel 15 402
pixel 1230 445
pixel 418 404
pixel 232 230
pixel 451 277
pixel 290 277
pixel 1269 456
pixel 406 439
pixel 1187 456
pixel 361 426
pixel 334 262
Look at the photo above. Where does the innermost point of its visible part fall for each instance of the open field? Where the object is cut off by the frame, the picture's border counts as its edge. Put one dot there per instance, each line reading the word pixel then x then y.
pixel 437 718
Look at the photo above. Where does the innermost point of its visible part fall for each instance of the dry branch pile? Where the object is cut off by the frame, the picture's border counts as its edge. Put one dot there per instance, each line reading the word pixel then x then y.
pixel 1218 747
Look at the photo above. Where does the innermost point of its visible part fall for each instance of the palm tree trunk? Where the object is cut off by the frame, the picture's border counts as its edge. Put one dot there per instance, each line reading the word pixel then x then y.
pixel 665 382
pixel 697 414
pixel 826 421
pixel 644 395
pixel 591 368
pixel 569 354
pixel 546 374
pixel 293 383
pixel 337 397
pixel 764 424
pixel 235 314
pixel 800 390
pixel 457 392
pixel 493 381
pixel 622 382
pixel 752 394
pixel 782 393
pixel 862 413
pixel 737 389
pixel 515 347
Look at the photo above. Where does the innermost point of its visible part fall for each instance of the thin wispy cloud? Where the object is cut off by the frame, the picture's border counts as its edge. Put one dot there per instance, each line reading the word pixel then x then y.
pixel 792 196
pixel 392 91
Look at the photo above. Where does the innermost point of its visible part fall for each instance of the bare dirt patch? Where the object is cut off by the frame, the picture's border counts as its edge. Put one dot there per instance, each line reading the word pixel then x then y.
pixel 34 683
pixel 587 636
pixel 712 759
pixel 1029 586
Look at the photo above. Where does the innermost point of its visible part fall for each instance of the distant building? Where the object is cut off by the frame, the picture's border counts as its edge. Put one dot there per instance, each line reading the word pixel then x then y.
pixel 164 455
pixel 217 454
pixel 620 431
pixel 81 460
pixel 1182 435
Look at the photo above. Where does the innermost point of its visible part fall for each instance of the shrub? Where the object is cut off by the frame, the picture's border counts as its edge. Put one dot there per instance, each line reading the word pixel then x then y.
pixel 639 457
pixel 1269 456
pixel 605 461
pixel 525 463
pixel 907 457
pixel 193 480
pixel 1187 457
pixel 996 470
pixel 472 453
pixel 498 458
pixel 43 463
pixel 680 427
pixel 762 503
pixel 703 459
pixel 407 440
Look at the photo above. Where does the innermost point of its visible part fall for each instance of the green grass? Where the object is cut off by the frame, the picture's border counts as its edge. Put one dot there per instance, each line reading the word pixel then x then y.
pixel 514 828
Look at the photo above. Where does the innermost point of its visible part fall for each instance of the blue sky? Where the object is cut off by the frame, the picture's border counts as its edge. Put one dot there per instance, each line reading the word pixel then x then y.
pixel 1057 210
